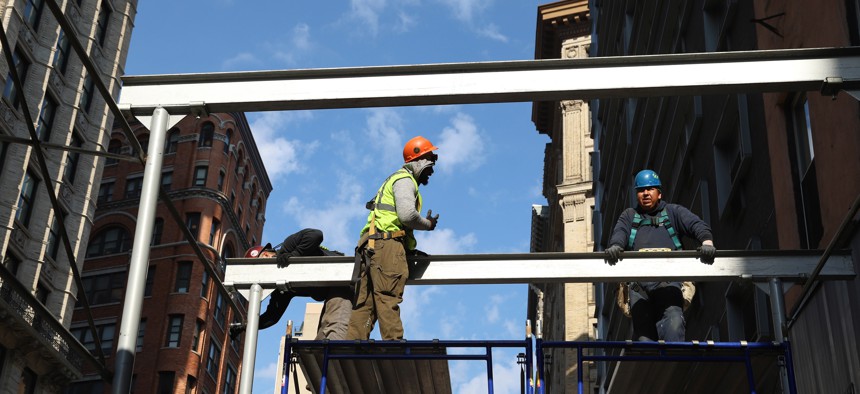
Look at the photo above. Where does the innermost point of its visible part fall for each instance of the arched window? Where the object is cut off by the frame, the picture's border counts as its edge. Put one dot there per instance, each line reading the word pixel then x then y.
pixel 144 142
pixel 111 240
pixel 172 141
pixel 115 146
pixel 227 143
pixel 207 131
pixel 157 231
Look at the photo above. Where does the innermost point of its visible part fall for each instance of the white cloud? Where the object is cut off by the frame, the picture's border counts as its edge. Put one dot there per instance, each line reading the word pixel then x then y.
pixel 416 301
pixel 462 146
pixel 385 130
pixel 466 10
pixel 491 31
pixel 242 60
pixel 280 156
pixel 302 36
pixel 367 12
pixel 445 241
pixel 404 22
pixel 334 217
pixel 294 47
pixel 269 371
pixel 506 380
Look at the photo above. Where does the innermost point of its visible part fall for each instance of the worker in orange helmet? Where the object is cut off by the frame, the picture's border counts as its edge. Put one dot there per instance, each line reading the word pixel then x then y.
pixel 386 240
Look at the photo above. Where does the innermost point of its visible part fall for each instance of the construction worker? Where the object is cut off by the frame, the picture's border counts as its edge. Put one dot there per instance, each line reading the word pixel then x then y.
pixel 338 300
pixel 657 307
pixel 386 240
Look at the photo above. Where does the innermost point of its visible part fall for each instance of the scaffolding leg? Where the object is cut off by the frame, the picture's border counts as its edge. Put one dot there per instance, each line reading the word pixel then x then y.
pixel 750 374
pixel 540 372
pixel 579 365
pixel 323 380
pixel 777 308
pixel 789 367
pixel 249 355
pixel 489 369
pixel 529 354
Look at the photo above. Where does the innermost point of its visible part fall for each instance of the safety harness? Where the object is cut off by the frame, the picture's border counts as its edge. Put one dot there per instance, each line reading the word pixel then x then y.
pixel 661 221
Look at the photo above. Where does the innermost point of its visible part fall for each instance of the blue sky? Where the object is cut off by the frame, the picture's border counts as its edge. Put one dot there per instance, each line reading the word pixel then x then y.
pixel 325 164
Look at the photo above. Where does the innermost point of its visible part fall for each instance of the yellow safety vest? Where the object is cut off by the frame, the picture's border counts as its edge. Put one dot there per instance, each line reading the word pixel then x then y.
pixel 384 212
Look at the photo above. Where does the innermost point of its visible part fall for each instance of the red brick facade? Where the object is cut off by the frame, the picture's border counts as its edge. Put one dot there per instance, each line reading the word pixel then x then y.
pixel 214 170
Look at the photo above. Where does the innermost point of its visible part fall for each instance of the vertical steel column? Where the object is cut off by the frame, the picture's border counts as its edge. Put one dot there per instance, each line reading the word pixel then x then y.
pixel 489 369
pixel 579 364
pixel 127 341
pixel 529 356
pixel 540 371
pixel 246 381
pixel 324 378
pixel 777 310
pixel 287 362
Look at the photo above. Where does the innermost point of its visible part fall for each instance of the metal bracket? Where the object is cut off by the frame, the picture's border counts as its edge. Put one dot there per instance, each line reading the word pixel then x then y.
pixel 198 109
pixel 831 86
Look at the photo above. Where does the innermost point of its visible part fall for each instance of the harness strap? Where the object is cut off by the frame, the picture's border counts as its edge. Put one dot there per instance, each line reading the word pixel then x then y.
pixel 661 221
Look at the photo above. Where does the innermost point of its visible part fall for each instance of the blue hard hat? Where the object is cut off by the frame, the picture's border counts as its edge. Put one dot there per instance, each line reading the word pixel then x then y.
pixel 647 178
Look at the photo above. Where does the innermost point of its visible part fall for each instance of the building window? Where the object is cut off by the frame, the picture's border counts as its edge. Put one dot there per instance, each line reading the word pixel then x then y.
pixel 204 290
pixel 213 231
pixel 200 173
pixel 141 331
pixel 157 231
pixel 4 147
pixel 133 186
pixel 72 159
pixel 802 156
pixel 54 237
pixel 109 241
pixel 143 140
pixel 42 293
pixel 104 288
pixel 228 253
pixel 12 262
pixel 33 13
pixel 172 141
pixel 27 384
pixel 102 23
pixel 207 131
pixel 212 359
pixel 174 331
pixel 230 380
pixel 114 147
pixel 192 220
pixel 198 333
pixel 183 277
pixel 12 92
pixel 106 334
pixel 86 101
pixel 105 192
pixel 165 382
pixel 190 385
pixel 166 180
pixel 227 142
pixel 89 386
pixel 219 310
pixel 239 216
pixel 27 198
pixel 46 118
pixel 61 56
pixel 150 280
pixel 220 180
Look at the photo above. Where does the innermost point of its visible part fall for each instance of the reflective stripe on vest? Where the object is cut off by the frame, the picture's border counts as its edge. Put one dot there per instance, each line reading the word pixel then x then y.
pixel 662 221
pixel 385 212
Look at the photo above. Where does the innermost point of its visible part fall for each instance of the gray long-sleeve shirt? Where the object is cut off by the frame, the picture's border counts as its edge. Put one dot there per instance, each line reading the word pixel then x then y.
pixel 405 195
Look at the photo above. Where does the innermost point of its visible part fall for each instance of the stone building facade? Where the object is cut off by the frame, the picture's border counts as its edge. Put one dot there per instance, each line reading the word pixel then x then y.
pixel 564 224
pixel 37 290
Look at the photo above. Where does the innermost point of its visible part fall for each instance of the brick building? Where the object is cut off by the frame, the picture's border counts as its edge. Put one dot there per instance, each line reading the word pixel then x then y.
pixel 215 178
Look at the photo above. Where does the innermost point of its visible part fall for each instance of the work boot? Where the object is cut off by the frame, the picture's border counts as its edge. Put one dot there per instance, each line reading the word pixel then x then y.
pixel 671 328
pixel 236 329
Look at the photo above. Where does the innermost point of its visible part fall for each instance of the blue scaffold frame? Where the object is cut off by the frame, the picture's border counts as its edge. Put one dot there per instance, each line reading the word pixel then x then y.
pixel 534 355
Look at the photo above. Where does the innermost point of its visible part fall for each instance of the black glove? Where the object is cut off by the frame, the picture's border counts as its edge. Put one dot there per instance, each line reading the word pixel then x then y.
pixel 707 253
pixel 283 260
pixel 432 219
pixel 236 329
pixel 416 252
pixel 613 254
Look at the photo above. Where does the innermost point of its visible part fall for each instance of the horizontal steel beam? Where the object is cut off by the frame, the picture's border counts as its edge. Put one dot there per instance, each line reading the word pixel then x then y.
pixel 549 267
pixel 490 82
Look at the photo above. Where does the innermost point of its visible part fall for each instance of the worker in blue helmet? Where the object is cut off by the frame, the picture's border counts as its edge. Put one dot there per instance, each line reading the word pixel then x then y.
pixel 657 307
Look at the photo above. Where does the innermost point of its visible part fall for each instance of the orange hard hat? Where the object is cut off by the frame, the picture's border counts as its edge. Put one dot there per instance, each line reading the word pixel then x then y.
pixel 256 251
pixel 417 147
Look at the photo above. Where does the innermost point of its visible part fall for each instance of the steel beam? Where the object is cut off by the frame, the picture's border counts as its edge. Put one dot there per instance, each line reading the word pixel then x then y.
pixel 488 82
pixel 548 267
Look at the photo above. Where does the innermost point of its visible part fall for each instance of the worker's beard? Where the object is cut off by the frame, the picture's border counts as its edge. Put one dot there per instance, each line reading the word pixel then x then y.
pixel 424 178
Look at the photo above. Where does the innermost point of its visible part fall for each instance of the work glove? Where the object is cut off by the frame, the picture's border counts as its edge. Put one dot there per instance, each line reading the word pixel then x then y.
pixel 613 254
pixel 707 253
pixel 236 329
pixel 283 260
pixel 419 253
pixel 432 219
